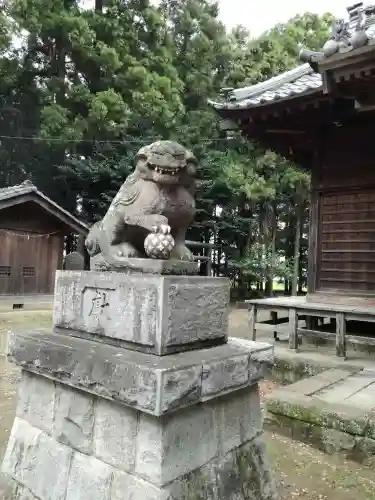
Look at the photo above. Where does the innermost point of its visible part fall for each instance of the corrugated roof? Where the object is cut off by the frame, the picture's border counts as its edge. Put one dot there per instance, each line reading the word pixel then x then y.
pixel 28 187
pixel 296 82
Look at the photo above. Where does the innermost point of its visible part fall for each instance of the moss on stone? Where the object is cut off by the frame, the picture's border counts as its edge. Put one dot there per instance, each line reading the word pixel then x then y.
pixel 288 371
pixel 242 474
pixel 313 412
pixel 255 473
pixel 333 441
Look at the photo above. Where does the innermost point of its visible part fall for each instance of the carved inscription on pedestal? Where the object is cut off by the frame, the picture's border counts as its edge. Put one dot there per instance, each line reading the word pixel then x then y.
pixel 96 308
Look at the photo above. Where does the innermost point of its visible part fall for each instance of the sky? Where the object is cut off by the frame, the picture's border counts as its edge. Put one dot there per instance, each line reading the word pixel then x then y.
pixel 250 13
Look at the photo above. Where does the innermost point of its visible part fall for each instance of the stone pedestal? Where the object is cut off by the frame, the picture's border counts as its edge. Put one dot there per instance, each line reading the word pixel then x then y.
pixel 150 402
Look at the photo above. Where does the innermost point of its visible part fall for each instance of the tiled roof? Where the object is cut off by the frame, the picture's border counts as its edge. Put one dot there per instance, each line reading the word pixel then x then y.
pixel 28 187
pixel 294 83
pixel 19 190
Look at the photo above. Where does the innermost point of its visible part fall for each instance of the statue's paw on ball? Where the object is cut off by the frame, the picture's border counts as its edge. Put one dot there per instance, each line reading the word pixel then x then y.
pixel 159 244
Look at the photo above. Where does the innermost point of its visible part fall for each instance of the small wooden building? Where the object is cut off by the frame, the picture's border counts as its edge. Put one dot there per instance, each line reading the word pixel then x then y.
pixel 32 233
pixel 322 115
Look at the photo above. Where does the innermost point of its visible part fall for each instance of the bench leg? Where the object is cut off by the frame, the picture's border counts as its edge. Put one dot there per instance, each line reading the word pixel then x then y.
pixel 293 327
pixel 274 322
pixel 253 315
pixel 340 335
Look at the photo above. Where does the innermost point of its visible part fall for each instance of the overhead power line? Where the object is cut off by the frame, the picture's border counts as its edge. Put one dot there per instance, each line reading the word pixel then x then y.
pixel 118 141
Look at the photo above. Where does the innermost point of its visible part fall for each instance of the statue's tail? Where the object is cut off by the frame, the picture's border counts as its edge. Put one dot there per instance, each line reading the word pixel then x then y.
pixel 92 241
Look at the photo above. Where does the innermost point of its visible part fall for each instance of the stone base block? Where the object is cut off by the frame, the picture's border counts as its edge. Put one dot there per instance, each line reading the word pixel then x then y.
pixel 152 314
pixel 84 447
pixel 157 385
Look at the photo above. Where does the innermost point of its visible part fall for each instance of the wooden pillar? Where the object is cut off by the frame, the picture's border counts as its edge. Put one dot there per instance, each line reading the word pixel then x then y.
pixel 341 335
pixel 253 314
pixel 293 329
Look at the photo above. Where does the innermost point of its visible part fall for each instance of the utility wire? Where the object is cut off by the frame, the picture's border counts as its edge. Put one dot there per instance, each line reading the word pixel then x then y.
pixel 125 141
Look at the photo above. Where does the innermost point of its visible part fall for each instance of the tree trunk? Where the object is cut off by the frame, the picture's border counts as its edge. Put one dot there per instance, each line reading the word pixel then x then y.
pixel 271 271
pixel 297 241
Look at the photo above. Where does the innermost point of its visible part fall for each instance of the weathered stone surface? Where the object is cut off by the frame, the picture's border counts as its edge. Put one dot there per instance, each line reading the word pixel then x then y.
pixel 37 461
pixel 128 487
pixel 74 261
pixel 18 492
pixel 8 488
pixel 314 384
pixel 261 358
pixel 364 451
pixel 74 418
pixel 312 410
pixel 210 451
pixel 181 387
pixel 348 387
pixel 3 343
pixel 238 418
pixel 242 474
pixel 156 314
pixel 89 479
pixel 326 439
pixel 157 197
pixel 24 494
pixel 176 445
pixel 246 474
pixel 36 401
pixel 156 385
pixel 115 434
pixel 370 429
pixel 293 369
pixel 334 426
pixel 220 376
pixel 170 267
pixel 106 371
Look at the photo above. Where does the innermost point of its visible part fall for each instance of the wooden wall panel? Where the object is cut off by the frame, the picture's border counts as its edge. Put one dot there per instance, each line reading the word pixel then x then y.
pixel 348 158
pixel 28 263
pixel 31 249
pixel 346 260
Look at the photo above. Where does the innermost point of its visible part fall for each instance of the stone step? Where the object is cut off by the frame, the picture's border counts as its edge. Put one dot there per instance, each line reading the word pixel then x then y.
pixel 327 411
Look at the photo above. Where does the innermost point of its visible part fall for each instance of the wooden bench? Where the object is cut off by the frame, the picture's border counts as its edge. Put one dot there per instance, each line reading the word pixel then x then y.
pixel 312 312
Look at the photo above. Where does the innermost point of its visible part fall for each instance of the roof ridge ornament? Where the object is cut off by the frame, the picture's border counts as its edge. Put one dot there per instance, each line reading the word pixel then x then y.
pixel 354 33
pixel 28 183
pixel 312 57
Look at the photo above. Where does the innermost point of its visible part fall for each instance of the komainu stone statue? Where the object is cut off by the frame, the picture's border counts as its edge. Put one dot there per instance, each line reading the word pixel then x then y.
pixel 158 197
pixel 137 393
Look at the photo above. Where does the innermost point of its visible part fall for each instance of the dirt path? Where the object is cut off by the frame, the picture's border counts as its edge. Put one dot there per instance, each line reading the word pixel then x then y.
pixel 306 473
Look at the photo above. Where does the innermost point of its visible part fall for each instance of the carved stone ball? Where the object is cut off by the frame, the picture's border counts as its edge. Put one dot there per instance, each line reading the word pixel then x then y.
pixel 330 48
pixel 159 244
pixel 359 39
